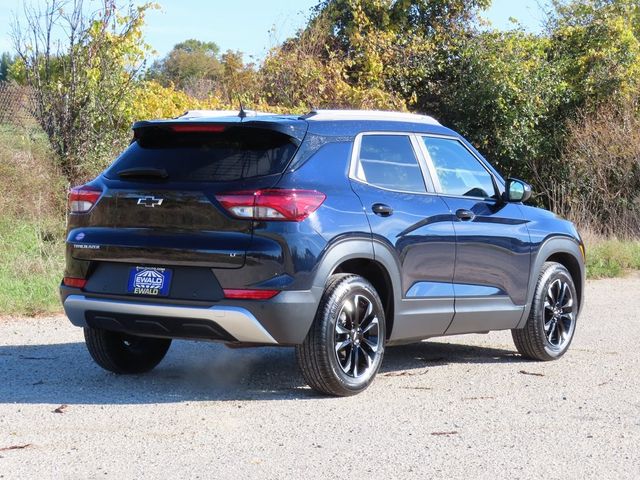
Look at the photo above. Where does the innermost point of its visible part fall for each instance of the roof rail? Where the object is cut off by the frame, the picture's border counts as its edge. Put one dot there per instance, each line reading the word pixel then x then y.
pixel 369 115
pixel 221 113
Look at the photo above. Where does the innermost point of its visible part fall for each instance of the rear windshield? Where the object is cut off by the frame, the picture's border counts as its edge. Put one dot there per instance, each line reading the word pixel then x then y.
pixel 234 154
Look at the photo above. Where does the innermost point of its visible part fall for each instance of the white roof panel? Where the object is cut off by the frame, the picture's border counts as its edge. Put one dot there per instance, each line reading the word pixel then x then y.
pixel 370 115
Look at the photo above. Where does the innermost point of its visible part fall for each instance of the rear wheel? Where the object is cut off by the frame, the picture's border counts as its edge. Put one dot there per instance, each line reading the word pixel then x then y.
pixel 552 319
pixel 345 345
pixel 125 354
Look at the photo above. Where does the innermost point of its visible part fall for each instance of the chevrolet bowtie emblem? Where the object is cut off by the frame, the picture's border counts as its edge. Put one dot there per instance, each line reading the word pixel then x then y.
pixel 150 201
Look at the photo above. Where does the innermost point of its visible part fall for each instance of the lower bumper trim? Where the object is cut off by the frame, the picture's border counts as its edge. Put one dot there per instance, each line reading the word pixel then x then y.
pixel 236 321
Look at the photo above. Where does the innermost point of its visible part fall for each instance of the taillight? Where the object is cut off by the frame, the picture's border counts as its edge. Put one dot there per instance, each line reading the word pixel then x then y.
pixel 74 282
pixel 249 294
pixel 272 204
pixel 82 198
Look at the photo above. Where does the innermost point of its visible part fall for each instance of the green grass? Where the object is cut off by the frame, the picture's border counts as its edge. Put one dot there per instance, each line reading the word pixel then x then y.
pixel 31 266
pixel 24 138
pixel 612 258
pixel 31 223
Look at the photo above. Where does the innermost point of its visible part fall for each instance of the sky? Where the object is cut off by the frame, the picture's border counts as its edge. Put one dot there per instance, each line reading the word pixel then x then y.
pixel 253 26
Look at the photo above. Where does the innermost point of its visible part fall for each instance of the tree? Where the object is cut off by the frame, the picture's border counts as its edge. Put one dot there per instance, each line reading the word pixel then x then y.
pixel 597 45
pixel 239 81
pixel 82 86
pixel 192 66
pixel 389 53
pixel 504 95
pixel 309 70
pixel 209 49
pixel 427 17
pixel 5 64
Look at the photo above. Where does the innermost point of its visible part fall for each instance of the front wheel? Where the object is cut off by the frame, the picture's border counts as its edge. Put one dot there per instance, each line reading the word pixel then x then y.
pixel 125 354
pixel 552 319
pixel 344 347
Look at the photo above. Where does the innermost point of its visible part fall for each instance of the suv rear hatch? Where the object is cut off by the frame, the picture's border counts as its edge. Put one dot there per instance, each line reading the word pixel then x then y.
pixel 158 203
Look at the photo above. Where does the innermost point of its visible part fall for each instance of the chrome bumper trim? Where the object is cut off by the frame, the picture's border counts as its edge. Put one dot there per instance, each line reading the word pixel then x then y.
pixel 238 322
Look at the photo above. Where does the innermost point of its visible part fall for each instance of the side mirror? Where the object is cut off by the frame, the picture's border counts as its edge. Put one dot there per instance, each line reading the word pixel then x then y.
pixel 517 190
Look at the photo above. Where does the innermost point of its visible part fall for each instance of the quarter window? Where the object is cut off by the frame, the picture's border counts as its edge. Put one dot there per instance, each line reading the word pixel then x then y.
pixel 388 161
pixel 459 172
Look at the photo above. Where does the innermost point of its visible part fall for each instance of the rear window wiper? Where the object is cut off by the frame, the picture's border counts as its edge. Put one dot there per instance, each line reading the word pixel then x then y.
pixel 142 172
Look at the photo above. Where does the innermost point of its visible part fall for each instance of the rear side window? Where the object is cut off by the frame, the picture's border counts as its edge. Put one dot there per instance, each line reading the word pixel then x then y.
pixel 233 154
pixel 388 161
pixel 458 171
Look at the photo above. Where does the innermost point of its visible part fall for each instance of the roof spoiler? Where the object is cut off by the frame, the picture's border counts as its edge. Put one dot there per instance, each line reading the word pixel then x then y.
pixel 217 121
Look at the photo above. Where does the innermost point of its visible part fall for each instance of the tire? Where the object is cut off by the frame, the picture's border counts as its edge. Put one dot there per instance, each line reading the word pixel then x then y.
pixel 358 332
pixel 552 320
pixel 125 354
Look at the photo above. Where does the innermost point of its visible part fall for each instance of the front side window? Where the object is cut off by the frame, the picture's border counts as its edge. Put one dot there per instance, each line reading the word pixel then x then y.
pixel 459 172
pixel 388 161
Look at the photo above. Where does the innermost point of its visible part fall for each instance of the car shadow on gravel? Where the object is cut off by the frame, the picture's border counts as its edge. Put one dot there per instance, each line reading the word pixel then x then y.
pixel 192 371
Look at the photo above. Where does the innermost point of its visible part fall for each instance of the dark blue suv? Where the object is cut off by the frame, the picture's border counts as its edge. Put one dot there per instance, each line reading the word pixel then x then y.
pixel 338 232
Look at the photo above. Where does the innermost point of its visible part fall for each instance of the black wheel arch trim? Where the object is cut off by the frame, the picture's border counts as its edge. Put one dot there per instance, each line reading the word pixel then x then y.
pixel 550 247
pixel 365 248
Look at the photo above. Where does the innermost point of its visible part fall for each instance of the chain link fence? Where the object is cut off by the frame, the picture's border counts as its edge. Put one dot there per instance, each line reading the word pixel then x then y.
pixel 15 104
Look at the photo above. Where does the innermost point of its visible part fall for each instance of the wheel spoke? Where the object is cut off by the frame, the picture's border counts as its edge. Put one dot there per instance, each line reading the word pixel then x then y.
pixel 373 323
pixel 345 363
pixel 367 356
pixel 566 322
pixel 354 313
pixel 553 334
pixel 563 293
pixel 348 311
pixel 568 303
pixel 370 344
pixel 359 313
pixel 549 298
pixel 547 326
pixel 369 309
pixel 561 330
pixel 552 294
pixel 355 360
pixel 551 330
pixel 557 333
pixel 342 345
pixel 341 329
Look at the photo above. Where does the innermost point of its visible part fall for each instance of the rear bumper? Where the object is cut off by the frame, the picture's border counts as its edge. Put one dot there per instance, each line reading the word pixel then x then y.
pixel 283 320
pixel 158 319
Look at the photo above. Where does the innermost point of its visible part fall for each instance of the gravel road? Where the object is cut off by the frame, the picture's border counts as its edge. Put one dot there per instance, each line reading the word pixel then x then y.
pixel 460 407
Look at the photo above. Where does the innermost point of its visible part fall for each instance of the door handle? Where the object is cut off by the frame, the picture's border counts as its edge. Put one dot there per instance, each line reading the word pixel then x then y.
pixel 382 210
pixel 465 215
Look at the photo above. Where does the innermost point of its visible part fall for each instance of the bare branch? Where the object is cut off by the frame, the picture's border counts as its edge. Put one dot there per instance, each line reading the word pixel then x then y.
pixel 78 66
